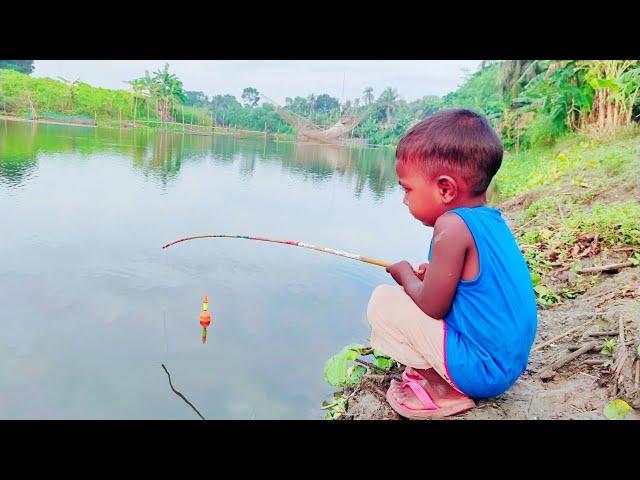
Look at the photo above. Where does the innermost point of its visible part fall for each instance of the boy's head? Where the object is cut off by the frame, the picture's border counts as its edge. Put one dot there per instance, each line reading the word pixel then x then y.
pixel 447 161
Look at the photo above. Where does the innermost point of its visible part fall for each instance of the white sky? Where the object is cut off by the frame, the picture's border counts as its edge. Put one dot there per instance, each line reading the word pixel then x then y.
pixel 277 79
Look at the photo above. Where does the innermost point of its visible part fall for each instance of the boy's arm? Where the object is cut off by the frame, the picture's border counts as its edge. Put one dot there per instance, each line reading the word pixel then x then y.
pixel 434 295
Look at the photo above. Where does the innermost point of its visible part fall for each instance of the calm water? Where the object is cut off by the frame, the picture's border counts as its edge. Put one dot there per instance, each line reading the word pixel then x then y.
pixel 91 306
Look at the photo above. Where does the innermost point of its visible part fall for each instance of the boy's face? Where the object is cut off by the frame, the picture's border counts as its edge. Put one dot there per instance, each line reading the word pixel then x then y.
pixel 422 194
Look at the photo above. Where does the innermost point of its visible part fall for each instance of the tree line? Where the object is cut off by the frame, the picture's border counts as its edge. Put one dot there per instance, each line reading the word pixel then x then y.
pixel 529 102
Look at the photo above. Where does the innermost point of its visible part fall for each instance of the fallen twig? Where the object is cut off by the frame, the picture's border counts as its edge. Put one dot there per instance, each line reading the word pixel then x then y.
pixel 604 268
pixel 526 223
pixel 595 361
pixel 181 395
pixel 621 353
pixel 549 342
pixel 573 348
pixel 623 249
pixel 549 372
pixel 381 378
pixel 610 333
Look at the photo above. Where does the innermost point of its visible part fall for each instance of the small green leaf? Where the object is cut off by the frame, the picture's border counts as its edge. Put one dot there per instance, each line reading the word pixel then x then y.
pixel 356 373
pixel 378 353
pixel 384 363
pixel 542 290
pixel 608 347
pixel 535 278
pixel 616 409
pixel 335 369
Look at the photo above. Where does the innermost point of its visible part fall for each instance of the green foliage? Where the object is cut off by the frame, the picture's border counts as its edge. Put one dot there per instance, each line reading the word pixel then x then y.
pixel 18 92
pixel 22 66
pixel 544 295
pixel 615 223
pixel 532 103
pixel 250 96
pixel 479 93
pixel 382 361
pixel 196 99
pixel 338 372
pixel 543 131
pixel 608 347
pixel 574 156
pixel 616 409
pixel 337 408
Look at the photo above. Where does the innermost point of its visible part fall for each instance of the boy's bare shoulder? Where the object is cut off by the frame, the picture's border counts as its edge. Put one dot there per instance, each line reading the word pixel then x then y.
pixel 450 227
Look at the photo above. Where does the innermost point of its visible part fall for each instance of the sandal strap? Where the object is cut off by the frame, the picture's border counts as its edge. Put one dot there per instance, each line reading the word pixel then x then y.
pixel 422 394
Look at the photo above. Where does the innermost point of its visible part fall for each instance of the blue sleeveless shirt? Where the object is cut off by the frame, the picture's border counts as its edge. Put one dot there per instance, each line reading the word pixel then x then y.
pixel 492 323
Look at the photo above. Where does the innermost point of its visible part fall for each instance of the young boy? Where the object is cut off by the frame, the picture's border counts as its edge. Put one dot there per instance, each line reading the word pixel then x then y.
pixel 464 323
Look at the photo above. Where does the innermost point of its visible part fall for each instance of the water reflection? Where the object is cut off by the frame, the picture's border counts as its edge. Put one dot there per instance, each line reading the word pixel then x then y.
pixel 160 155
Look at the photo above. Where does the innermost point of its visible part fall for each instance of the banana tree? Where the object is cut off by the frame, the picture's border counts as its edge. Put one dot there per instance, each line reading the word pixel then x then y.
pixel 616 85
pixel 164 87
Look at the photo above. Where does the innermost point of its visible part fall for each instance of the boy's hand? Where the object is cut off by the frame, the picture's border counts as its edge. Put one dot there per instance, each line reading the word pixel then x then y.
pixel 400 270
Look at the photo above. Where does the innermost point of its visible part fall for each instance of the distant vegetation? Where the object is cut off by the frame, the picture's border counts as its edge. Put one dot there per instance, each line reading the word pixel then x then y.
pixel 531 102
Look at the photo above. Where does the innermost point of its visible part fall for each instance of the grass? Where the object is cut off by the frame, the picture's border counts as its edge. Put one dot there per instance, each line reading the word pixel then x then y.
pixel 582 197
pixel 575 155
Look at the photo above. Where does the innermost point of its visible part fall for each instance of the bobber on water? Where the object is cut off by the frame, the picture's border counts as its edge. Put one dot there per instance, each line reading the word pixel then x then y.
pixel 205 318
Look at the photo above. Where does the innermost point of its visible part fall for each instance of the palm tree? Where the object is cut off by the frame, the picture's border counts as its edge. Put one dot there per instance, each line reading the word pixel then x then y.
pixel 389 98
pixel 367 95
pixel 312 100
pixel 137 91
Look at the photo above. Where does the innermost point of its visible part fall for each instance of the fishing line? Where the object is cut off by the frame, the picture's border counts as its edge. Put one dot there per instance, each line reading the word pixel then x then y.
pixel 166 338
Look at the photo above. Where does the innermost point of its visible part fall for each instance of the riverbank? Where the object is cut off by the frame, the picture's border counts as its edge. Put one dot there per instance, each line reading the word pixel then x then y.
pixel 164 126
pixel 574 209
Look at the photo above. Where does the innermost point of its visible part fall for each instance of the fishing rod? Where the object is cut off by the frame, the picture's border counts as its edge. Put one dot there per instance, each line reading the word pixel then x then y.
pixel 333 251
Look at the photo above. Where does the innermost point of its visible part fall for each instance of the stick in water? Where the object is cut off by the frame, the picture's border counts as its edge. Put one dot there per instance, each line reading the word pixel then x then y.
pixel 181 395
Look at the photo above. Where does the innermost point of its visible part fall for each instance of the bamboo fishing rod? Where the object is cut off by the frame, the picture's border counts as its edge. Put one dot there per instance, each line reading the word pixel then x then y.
pixel 333 251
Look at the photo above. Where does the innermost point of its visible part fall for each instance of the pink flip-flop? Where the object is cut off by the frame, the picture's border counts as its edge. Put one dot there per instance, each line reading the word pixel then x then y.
pixel 439 399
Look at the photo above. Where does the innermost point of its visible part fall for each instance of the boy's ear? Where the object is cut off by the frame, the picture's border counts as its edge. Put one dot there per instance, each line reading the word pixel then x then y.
pixel 447 188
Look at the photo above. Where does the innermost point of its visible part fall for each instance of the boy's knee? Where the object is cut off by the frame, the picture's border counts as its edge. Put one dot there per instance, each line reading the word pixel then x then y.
pixel 380 298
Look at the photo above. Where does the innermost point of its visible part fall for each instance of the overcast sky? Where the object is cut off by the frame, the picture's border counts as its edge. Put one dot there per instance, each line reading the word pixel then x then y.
pixel 276 79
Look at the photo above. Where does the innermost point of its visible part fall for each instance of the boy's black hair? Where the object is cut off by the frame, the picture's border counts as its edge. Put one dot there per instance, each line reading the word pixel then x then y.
pixel 459 139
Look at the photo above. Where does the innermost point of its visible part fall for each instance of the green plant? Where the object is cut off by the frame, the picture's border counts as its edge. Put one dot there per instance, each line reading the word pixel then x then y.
pixel 337 408
pixel 616 409
pixel 545 295
pixel 608 347
pixel 382 361
pixel 339 370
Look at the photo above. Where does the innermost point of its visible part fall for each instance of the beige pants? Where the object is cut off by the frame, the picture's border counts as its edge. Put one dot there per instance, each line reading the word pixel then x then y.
pixel 402 331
